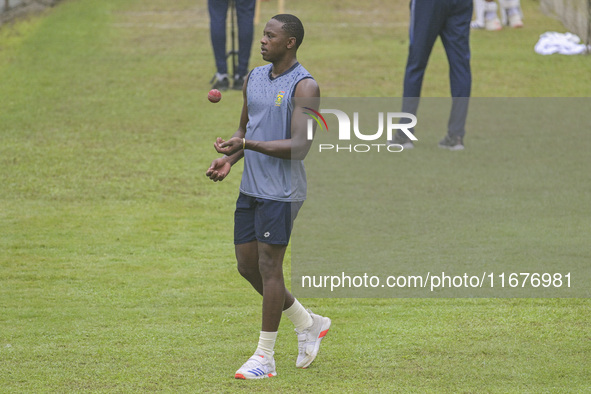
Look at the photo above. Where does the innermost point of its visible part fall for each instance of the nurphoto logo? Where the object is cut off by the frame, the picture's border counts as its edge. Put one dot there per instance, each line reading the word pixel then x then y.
pixel 389 121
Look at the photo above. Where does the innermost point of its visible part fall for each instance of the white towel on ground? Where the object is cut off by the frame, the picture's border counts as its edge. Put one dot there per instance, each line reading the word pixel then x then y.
pixel 562 43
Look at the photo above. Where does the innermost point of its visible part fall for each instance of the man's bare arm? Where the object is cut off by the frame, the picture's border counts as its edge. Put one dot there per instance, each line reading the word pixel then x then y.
pixel 306 94
pixel 220 167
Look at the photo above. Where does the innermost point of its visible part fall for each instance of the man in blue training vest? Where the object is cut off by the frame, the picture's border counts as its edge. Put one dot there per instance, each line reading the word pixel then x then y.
pixel 272 138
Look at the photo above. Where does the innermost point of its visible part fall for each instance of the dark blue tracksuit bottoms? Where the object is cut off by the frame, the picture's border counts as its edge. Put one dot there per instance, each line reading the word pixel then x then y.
pixel 218 10
pixel 450 20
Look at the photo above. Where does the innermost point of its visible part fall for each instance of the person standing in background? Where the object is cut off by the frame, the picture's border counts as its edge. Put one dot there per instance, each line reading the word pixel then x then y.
pixel 450 20
pixel 218 11
pixel 485 14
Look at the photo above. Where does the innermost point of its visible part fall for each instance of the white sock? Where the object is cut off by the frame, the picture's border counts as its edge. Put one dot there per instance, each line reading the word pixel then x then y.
pixel 299 316
pixel 267 343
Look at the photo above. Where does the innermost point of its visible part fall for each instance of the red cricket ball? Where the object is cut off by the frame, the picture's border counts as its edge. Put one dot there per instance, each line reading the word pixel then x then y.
pixel 214 95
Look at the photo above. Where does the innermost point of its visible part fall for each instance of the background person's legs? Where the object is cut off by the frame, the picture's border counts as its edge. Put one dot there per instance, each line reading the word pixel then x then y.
pixel 456 40
pixel 218 11
pixel 426 19
pixel 245 17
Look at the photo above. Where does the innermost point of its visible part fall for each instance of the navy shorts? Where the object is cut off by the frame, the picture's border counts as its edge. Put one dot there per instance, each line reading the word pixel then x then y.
pixel 268 221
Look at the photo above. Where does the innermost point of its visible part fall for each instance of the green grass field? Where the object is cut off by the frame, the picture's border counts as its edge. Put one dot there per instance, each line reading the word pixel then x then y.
pixel 117 270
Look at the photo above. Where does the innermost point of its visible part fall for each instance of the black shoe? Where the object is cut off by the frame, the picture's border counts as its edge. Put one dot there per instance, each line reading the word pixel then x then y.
pixel 238 83
pixel 405 142
pixel 221 82
pixel 452 143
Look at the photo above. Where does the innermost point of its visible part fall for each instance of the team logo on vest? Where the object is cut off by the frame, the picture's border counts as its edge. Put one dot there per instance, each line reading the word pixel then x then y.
pixel 279 98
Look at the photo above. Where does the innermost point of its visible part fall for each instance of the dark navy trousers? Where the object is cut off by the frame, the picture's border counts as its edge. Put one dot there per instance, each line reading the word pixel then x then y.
pixel 218 11
pixel 450 20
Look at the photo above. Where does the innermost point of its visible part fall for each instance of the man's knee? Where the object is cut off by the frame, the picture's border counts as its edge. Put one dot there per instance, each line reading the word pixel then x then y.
pixel 270 268
pixel 248 271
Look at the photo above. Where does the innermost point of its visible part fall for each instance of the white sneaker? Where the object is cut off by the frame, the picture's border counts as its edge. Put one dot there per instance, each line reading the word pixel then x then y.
pixel 309 340
pixel 475 25
pixel 493 24
pixel 258 366
pixel 515 21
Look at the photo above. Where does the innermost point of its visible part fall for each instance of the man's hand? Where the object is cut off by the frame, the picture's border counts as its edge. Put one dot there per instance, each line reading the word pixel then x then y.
pixel 233 145
pixel 219 169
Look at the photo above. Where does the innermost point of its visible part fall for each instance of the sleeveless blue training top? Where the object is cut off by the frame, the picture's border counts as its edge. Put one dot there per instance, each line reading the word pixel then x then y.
pixel 270 105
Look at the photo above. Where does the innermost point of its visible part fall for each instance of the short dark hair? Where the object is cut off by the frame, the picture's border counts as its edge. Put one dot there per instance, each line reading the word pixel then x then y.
pixel 292 26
